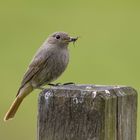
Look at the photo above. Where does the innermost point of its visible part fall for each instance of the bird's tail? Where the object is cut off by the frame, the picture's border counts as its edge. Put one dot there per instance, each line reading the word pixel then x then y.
pixel 23 92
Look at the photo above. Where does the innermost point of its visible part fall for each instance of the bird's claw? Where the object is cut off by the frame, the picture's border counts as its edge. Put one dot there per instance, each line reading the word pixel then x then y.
pixel 69 83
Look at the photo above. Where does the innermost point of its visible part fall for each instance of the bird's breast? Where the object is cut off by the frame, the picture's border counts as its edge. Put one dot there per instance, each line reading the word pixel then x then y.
pixel 59 62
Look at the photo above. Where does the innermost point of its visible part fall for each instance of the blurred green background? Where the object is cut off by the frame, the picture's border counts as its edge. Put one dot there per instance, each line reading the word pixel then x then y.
pixel 108 51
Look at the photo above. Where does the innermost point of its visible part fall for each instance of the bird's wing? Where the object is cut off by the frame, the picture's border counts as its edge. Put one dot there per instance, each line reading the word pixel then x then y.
pixel 37 64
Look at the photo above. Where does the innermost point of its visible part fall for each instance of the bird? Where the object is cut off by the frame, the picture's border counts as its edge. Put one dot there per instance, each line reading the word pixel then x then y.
pixel 49 62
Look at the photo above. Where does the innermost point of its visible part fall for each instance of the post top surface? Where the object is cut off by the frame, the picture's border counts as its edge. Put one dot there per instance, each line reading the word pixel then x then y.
pixel 85 89
pixel 89 87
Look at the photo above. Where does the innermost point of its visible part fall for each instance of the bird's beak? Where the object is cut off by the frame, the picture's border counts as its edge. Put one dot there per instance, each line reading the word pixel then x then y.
pixel 73 39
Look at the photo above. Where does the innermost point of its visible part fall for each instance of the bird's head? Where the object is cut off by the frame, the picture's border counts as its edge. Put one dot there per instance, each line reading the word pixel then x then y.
pixel 61 39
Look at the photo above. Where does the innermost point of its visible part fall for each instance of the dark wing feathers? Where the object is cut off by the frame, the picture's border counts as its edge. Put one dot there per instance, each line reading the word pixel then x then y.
pixel 32 70
pixel 36 66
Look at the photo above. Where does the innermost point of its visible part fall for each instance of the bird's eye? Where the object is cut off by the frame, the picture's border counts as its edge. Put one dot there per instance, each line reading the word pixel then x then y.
pixel 57 36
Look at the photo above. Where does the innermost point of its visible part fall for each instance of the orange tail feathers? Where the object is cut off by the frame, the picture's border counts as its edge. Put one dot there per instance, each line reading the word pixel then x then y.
pixel 23 92
pixel 13 109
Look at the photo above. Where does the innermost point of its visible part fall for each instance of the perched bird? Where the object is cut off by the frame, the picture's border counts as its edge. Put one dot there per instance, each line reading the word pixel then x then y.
pixel 48 64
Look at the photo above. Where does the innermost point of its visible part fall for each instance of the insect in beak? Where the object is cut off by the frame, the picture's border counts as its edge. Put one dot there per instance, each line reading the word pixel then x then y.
pixel 73 39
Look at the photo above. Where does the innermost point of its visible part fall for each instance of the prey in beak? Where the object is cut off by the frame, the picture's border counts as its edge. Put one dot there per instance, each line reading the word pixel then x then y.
pixel 73 39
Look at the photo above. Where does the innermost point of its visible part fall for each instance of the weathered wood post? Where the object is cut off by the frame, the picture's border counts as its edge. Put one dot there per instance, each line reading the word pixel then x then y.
pixel 87 112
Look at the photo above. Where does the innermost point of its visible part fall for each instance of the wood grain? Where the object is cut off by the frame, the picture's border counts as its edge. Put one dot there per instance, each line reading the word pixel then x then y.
pixel 87 112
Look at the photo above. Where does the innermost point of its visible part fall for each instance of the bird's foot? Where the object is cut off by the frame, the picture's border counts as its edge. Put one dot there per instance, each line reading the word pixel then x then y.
pixel 59 84
pixel 69 83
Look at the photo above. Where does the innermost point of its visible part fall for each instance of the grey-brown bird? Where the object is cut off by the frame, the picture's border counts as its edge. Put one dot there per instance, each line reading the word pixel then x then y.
pixel 48 64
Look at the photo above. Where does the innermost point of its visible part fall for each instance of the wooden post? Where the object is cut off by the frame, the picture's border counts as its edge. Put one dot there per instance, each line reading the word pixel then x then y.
pixel 87 112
